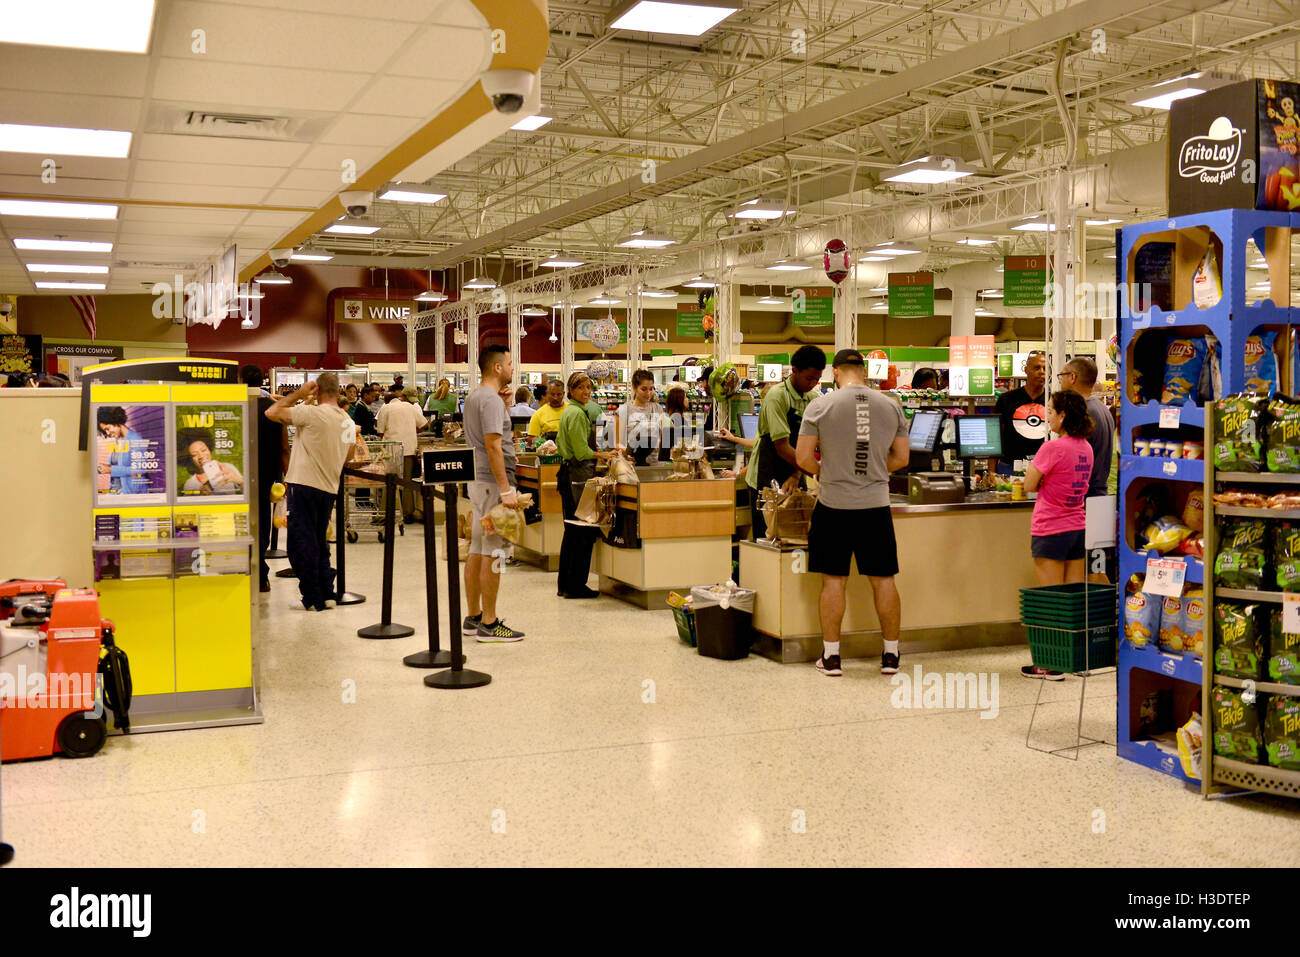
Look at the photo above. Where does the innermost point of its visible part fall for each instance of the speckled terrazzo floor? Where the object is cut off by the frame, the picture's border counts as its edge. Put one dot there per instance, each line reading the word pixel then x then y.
pixel 561 761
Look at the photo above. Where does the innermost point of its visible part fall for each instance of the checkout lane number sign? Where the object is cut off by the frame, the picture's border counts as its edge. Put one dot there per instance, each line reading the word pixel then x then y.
pixel 447 466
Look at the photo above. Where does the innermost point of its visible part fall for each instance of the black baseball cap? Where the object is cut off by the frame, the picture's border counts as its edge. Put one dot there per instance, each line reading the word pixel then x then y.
pixel 848 357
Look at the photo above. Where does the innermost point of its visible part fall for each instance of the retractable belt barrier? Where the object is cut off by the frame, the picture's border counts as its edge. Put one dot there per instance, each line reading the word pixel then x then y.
pixel 385 627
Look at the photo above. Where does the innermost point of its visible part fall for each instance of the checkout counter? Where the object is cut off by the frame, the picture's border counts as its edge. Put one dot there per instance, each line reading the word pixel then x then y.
pixel 970 548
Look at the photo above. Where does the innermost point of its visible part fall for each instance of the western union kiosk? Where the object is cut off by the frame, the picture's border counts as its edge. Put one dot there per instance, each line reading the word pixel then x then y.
pixel 174 538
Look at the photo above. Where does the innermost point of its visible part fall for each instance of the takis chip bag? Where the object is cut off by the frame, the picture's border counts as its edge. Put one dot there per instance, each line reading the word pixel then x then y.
pixel 1283 665
pixel 1286 555
pixel 1238 431
pixel 1236 725
pixel 1283 435
pixel 1282 731
pixel 1240 562
pixel 1238 645
pixel 1261 364
pixel 1141 614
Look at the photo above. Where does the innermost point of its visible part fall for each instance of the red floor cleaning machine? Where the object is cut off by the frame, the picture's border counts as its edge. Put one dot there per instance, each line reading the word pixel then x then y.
pixel 59 669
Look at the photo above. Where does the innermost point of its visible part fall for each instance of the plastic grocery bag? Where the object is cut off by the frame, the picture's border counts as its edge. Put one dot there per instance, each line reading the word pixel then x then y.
pixel 727 595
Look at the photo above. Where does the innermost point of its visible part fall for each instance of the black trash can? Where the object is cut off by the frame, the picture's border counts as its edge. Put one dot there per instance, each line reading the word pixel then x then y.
pixel 724 625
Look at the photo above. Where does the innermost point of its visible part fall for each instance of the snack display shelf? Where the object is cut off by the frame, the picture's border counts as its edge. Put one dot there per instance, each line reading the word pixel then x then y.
pixel 1239 511
pixel 1151 466
pixel 1148 754
pixel 171 543
pixel 1256 777
pixel 1149 414
pixel 1183 666
pixel 1267 687
pixel 1249 594
pixel 1135 562
pixel 1284 477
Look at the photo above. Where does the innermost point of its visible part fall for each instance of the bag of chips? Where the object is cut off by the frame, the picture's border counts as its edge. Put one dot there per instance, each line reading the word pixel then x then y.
pixel 1261 364
pixel 1183 361
pixel 1286 555
pixel 1282 731
pixel 1141 614
pixel 1194 621
pixel 1171 623
pixel 1193 546
pixel 1283 665
pixel 1238 644
pixel 1283 435
pixel 1236 725
pixel 1240 562
pixel 1238 430
pixel 1165 534
pixel 1194 510
pixel 1207 287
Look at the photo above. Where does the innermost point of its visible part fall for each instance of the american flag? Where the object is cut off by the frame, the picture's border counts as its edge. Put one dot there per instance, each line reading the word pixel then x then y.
pixel 86 307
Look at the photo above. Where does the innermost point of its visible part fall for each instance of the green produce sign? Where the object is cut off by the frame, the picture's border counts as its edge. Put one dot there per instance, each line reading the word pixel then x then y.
pixel 1024 281
pixel 773 358
pixel 911 295
pixel 1005 365
pixel 690 324
pixel 981 381
pixel 813 307
pixel 656 353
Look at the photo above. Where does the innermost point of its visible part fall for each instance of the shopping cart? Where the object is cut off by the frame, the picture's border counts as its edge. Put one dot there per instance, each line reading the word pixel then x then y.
pixel 363 499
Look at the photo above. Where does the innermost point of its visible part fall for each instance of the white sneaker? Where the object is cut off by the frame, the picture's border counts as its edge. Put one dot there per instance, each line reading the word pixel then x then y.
pixel 330 603
pixel 299 606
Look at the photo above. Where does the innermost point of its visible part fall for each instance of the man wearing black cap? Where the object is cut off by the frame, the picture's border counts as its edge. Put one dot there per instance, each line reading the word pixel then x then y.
pixel 862 437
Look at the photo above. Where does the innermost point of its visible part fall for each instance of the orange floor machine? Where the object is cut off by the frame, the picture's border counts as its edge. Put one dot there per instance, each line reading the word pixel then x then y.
pixel 52 696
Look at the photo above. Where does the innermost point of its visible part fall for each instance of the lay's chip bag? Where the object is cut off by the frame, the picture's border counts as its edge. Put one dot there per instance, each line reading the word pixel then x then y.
pixel 1171 623
pixel 1141 614
pixel 1183 360
pixel 1194 621
pixel 1261 364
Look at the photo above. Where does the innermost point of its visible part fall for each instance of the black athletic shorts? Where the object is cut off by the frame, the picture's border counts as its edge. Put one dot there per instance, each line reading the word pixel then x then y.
pixel 1061 547
pixel 838 534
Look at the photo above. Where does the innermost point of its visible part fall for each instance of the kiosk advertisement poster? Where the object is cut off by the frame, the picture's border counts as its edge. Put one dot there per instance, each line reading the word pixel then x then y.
pixel 130 455
pixel 209 450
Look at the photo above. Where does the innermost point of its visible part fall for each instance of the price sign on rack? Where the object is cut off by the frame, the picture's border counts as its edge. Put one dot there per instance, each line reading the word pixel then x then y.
pixel 1291 613
pixel 1169 416
pixel 1165 576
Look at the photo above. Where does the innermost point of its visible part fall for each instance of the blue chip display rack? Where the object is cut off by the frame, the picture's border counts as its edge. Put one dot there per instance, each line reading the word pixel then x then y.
pixel 1231 321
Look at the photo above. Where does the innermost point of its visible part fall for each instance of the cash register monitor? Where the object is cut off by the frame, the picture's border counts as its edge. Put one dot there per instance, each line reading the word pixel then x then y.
pixel 749 425
pixel 925 431
pixel 979 436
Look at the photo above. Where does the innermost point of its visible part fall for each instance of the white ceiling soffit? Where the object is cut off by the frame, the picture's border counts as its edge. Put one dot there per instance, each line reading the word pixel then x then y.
pixel 456 147
pixel 237 139
pixel 1025 47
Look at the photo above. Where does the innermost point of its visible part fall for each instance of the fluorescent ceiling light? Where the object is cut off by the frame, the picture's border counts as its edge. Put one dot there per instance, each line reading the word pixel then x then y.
pixel 534 311
pixel 928 169
pixel 352 226
pixel 1111 256
pixel 788 265
pixel 658 294
pixel 687 19
pixel 892 249
pixel 879 289
pixel 875 259
pixel 411 193
pixel 1036 226
pixel 64 245
pixel 975 241
pixel 761 208
pixel 1101 222
pixel 560 261
pixel 431 295
pixel 252 292
pixel 480 282
pixel 604 299
pixel 771 301
pixel 534 122
pixel 53 267
pixel 272 278
pixel 70 285
pixel 700 282
pixel 309 254
pixel 647 239
pixel 28 207
pixel 991 293
pixel 122 26
pixel 64 141
pixel 1162 96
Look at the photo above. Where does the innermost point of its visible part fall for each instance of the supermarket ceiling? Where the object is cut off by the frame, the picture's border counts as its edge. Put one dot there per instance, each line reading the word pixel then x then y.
pixel 804 102
pixel 244 118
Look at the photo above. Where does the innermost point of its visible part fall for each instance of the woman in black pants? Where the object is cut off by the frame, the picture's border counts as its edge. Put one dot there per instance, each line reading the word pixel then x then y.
pixel 577 466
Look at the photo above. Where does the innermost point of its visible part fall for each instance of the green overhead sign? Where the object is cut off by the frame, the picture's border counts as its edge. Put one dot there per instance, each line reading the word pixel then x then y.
pixel 911 295
pixel 813 307
pixel 690 323
pixel 1024 281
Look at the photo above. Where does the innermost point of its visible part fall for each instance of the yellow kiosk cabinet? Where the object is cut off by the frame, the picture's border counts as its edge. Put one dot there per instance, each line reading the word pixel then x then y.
pixel 174 545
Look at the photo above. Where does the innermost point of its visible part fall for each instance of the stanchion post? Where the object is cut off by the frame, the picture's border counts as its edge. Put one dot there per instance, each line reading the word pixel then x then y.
pixel 385 628
pixel 275 551
pixel 457 677
pixel 345 597
pixel 434 657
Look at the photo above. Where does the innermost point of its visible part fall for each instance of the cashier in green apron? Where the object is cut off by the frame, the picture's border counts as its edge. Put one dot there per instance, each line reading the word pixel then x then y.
pixel 778 420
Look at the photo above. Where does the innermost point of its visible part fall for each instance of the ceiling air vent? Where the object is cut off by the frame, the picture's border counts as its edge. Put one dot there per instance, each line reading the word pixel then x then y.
pixel 233 124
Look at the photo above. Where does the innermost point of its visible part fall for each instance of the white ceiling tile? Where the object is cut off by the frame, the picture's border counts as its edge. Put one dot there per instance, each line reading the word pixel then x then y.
pixel 371 130
pixel 155 171
pixel 405 96
pixel 405 10
pixel 325 182
pixel 332 157
pixel 43 108
pixel 46 70
pixel 449 53
pixel 181 194
pixel 206 81
pixel 460 13
pixel 273 218
pixel 142 216
pixel 247 35
pixel 176 148
pixel 67 188
pixel 65 168
pixel 297 197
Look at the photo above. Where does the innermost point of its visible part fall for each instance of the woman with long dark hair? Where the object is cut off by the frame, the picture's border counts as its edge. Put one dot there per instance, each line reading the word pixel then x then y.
pixel 639 420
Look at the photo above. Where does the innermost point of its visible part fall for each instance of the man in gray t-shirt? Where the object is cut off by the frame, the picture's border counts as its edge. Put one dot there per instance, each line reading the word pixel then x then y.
pixel 1080 375
pixel 861 436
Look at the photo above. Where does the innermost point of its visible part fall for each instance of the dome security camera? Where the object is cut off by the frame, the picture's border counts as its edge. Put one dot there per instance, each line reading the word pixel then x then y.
pixel 508 89
pixel 279 257
pixel 356 201
pixel 6 307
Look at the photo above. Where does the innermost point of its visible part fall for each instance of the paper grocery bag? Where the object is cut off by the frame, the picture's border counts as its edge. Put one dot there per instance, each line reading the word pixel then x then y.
pixel 596 506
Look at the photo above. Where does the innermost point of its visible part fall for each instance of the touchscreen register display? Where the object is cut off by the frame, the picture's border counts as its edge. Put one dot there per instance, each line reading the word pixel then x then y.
pixel 925 431
pixel 979 436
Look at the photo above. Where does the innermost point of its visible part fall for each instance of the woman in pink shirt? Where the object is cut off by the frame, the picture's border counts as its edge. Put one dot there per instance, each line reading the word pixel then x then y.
pixel 1060 474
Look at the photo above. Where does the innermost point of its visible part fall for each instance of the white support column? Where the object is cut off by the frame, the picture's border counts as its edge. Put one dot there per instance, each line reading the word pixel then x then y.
pixel 566 331
pixel 963 311
pixel 411 356
pixel 635 334
pixel 440 350
pixel 512 330
pixel 471 331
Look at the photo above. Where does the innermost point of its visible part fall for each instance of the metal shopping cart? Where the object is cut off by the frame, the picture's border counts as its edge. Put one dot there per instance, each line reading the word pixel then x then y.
pixel 363 500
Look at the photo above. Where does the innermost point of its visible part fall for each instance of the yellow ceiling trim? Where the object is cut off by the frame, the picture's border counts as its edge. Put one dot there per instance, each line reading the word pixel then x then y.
pixel 526 32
